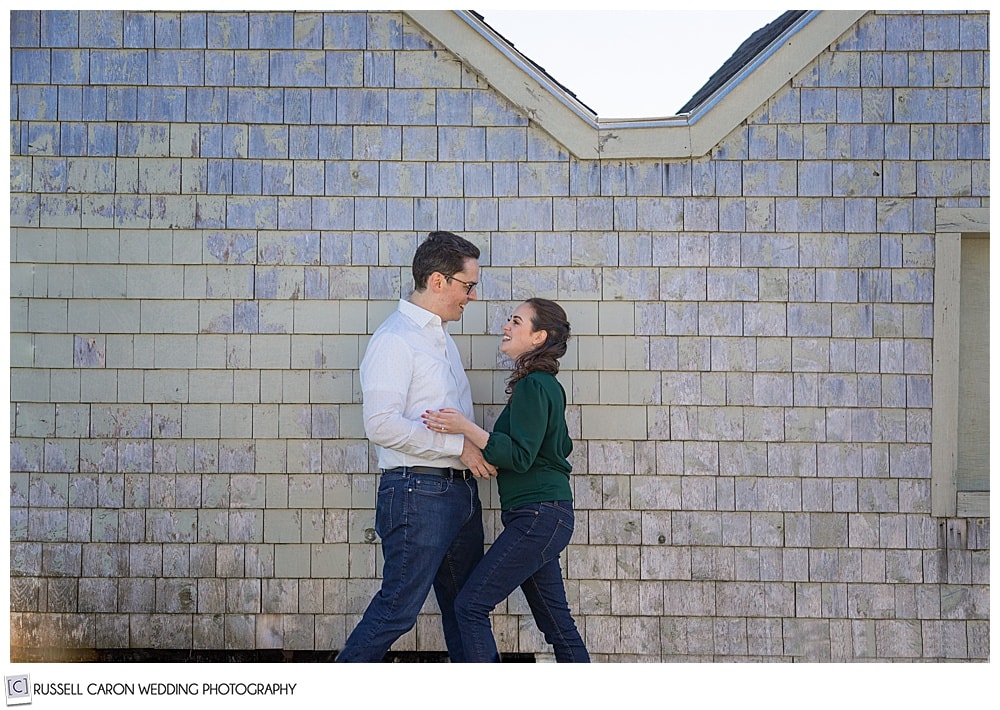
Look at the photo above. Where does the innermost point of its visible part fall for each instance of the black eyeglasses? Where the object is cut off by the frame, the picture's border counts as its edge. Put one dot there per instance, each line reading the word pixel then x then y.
pixel 468 285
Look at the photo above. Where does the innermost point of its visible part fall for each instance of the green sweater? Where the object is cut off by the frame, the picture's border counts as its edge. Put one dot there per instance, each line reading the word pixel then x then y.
pixel 530 445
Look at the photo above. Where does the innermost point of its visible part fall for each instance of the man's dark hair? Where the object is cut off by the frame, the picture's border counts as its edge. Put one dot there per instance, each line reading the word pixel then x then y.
pixel 443 252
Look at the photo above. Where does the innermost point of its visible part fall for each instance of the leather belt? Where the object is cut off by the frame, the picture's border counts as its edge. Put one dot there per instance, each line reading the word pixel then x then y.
pixel 463 473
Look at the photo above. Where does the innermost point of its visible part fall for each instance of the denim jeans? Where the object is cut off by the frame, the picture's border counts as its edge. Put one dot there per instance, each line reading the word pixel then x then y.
pixel 432 536
pixel 526 555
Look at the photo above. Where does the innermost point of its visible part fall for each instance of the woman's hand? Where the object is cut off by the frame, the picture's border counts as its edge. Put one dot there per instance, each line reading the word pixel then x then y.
pixel 452 421
pixel 446 421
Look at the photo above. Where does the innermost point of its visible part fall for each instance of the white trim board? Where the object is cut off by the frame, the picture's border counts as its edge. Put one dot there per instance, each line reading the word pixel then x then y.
pixel 952 224
pixel 690 135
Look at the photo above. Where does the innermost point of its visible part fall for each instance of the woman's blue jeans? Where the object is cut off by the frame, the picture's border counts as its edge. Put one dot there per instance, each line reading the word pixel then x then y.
pixel 526 555
pixel 432 536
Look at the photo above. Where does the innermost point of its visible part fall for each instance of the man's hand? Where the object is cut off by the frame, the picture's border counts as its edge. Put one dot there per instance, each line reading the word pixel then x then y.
pixel 472 457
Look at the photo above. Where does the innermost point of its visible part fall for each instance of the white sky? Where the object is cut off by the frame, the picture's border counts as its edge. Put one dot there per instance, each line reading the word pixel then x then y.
pixel 629 63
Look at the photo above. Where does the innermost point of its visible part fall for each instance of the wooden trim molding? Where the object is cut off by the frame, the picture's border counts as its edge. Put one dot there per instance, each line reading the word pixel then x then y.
pixel 690 135
pixel 973 505
pixel 952 224
pixel 944 408
pixel 971 220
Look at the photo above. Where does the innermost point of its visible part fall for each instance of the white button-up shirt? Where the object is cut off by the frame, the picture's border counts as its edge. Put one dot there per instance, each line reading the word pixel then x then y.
pixel 412 365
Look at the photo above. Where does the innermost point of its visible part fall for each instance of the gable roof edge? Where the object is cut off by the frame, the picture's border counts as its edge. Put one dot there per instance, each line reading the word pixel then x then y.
pixel 690 135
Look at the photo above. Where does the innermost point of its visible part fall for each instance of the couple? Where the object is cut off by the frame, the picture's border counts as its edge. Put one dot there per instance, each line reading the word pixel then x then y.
pixel 418 413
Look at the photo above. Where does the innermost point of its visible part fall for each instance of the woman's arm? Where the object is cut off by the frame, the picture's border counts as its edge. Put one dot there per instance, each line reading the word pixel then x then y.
pixel 517 450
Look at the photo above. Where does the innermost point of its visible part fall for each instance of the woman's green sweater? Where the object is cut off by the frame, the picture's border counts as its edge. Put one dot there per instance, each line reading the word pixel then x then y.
pixel 530 444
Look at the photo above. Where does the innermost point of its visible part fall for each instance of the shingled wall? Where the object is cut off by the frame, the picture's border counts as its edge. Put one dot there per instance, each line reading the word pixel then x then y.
pixel 210 212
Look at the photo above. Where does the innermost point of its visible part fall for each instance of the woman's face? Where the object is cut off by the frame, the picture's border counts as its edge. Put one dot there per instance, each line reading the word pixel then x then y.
pixel 518 335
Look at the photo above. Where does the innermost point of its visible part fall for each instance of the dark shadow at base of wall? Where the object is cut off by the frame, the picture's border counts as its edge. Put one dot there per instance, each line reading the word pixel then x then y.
pixel 150 655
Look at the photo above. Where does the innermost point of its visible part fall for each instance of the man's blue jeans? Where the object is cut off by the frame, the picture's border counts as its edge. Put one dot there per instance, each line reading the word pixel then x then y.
pixel 526 555
pixel 432 535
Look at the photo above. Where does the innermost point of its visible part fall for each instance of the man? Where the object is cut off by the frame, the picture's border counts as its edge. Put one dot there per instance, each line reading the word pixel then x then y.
pixel 427 511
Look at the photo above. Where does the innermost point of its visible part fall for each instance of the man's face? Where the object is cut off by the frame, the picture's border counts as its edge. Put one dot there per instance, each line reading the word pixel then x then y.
pixel 456 293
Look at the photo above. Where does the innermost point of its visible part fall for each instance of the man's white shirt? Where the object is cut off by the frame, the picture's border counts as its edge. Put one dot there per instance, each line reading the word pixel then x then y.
pixel 412 365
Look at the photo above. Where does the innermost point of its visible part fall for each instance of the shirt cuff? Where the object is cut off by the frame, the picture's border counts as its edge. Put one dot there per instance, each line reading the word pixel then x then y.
pixel 454 444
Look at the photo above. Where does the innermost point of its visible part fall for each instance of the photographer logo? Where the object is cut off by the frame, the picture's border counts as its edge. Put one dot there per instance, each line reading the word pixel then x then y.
pixel 18 689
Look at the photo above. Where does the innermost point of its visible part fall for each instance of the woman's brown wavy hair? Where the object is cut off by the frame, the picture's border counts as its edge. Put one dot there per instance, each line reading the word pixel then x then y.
pixel 548 316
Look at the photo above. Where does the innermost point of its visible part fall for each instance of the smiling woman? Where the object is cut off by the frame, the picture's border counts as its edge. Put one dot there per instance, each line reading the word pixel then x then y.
pixel 530 446
pixel 629 64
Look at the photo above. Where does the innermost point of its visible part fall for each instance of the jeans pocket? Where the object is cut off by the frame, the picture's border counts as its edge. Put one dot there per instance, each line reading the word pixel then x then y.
pixel 383 511
pixel 558 506
pixel 561 534
pixel 429 485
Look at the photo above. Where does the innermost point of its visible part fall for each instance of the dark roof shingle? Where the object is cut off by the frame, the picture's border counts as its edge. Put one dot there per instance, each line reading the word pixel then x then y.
pixel 744 54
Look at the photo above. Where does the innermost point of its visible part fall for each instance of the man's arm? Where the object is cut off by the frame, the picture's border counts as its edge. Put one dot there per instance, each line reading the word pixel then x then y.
pixel 472 457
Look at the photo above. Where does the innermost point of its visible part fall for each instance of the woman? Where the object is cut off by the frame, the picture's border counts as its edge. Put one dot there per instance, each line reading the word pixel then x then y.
pixel 529 446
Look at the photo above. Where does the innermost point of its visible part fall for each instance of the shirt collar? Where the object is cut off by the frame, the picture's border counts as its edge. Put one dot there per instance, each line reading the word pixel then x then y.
pixel 421 316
